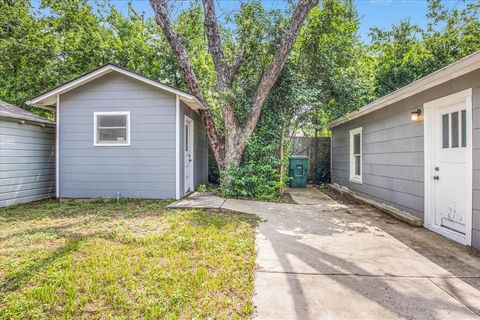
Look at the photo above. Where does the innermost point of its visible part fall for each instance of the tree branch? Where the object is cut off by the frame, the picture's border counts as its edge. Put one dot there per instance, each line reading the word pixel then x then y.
pixel 225 72
pixel 161 16
pixel 214 43
pixel 235 65
pixel 273 71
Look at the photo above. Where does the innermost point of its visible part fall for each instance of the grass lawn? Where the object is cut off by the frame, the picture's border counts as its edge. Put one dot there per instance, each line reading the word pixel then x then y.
pixel 126 260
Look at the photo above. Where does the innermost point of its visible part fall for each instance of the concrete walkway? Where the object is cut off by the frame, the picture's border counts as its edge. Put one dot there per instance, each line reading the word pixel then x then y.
pixel 322 260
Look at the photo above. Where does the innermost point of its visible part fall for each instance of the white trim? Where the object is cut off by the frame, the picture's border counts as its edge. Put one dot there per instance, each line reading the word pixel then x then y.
pixel 111 113
pixel 191 140
pixel 57 149
pixel 429 107
pixel 177 147
pixel 454 70
pixel 353 177
pixel 192 167
pixel 331 156
pixel 42 101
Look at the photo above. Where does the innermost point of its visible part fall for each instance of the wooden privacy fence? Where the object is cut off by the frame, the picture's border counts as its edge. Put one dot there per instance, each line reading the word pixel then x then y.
pixel 318 151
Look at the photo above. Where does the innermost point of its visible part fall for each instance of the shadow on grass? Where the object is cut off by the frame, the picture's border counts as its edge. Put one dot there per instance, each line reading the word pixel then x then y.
pixel 58 231
pixel 14 281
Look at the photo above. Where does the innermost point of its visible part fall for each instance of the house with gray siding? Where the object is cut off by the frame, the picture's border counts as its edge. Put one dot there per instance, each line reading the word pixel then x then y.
pixel 27 156
pixel 120 134
pixel 418 149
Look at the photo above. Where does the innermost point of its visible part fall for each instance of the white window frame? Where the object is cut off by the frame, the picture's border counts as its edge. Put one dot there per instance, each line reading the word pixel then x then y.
pixel 353 177
pixel 111 113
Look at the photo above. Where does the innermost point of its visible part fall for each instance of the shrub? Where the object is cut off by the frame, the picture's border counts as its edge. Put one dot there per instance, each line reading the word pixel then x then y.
pixel 321 173
pixel 253 180
pixel 258 176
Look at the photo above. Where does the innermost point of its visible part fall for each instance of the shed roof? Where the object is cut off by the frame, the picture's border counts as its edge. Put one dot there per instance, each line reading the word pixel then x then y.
pixel 10 111
pixel 452 71
pixel 49 98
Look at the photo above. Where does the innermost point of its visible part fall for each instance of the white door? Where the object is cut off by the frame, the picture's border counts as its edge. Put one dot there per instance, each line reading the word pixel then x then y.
pixel 188 153
pixel 449 172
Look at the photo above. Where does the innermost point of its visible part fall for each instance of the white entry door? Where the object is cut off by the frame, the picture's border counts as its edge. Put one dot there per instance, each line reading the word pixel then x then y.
pixel 188 153
pixel 449 170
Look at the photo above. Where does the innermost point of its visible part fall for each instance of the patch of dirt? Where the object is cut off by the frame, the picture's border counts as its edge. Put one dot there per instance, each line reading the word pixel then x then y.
pixel 340 197
pixel 285 197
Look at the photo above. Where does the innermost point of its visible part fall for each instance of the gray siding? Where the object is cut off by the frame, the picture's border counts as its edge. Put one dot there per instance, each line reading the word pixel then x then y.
pixel 200 148
pixel 145 169
pixel 27 162
pixel 393 158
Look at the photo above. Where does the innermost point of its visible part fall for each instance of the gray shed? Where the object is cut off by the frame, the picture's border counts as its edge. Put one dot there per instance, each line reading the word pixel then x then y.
pixel 27 156
pixel 418 149
pixel 121 134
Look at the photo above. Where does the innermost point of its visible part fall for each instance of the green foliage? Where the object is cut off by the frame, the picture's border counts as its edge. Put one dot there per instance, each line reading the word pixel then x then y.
pixel 258 177
pixel 402 57
pixel 42 47
pixel 406 52
pixel 202 188
pixel 321 173
pixel 252 180
pixel 321 80
pixel 258 32
pixel 333 63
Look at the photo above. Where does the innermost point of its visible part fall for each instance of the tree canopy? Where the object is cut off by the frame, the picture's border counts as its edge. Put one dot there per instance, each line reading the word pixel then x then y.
pixel 327 72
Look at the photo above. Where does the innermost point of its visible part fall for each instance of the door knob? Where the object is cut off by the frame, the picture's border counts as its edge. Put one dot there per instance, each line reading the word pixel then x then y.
pixel 437 169
pixel 436 178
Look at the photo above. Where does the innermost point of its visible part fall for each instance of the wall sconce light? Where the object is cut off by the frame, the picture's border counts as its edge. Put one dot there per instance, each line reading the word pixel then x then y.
pixel 416 115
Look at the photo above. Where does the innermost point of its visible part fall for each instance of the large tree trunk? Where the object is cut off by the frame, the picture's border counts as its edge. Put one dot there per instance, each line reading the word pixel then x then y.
pixel 228 151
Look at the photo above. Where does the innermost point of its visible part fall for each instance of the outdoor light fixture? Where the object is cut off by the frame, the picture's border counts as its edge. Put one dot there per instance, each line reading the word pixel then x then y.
pixel 416 115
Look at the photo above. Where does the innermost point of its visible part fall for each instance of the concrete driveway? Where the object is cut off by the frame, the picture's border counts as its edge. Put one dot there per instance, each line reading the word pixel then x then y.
pixel 324 260
pixel 327 261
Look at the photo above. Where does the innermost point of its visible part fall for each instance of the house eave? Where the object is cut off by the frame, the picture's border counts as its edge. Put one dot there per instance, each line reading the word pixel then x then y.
pixel 452 71
pixel 31 122
pixel 48 99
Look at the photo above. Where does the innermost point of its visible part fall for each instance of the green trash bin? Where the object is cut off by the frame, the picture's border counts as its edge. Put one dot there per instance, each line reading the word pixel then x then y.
pixel 298 171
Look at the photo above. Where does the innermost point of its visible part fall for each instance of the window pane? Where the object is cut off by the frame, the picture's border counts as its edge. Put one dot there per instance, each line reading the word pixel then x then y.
pixel 445 142
pixel 358 165
pixel 356 144
pixel 455 129
pixel 464 128
pixel 112 121
pixel 112 135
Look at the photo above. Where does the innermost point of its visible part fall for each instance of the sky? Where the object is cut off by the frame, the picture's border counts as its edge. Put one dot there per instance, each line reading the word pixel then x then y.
pixel 384 13
pixel 373 13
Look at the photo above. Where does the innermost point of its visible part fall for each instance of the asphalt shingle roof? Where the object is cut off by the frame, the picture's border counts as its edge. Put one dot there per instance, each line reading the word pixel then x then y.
pixel 8 110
